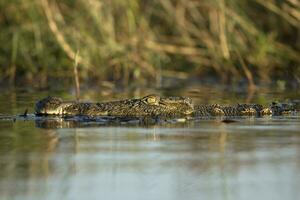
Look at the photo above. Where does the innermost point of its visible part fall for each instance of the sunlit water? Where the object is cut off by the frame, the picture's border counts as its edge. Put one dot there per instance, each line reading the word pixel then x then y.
pixel 254 158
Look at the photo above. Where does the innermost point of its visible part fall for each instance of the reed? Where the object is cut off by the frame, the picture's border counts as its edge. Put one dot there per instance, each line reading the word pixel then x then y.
pixel 76 77
pixel 138 41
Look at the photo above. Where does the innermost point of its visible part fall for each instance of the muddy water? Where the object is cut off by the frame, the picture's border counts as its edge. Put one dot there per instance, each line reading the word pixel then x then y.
pixel 254 158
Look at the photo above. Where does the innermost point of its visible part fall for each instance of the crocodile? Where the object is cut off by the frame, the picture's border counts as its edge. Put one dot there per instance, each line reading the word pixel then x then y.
pixel 154 105
pixel 151 105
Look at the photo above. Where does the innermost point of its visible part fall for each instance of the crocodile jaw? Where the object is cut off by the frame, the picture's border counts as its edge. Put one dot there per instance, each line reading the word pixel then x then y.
pixel 59 110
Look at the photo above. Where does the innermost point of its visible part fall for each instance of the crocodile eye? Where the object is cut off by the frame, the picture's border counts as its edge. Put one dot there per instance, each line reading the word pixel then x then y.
pixel 151 100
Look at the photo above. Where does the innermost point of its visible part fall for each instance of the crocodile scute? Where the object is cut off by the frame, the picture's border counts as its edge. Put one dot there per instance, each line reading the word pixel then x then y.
pixel 154 105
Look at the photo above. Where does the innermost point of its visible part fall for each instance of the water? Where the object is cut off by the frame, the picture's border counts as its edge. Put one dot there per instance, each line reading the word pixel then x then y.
pixel 254 158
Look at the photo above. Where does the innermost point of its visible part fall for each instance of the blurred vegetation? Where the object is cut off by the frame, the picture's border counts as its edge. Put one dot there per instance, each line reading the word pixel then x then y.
pixel 140 41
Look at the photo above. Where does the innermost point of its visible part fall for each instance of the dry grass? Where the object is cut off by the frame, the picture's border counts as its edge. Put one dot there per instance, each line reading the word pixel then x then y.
pixel 125 40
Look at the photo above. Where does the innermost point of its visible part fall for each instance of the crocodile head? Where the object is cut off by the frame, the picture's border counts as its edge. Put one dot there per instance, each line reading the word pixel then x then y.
pixel 51 106
pixel 151 105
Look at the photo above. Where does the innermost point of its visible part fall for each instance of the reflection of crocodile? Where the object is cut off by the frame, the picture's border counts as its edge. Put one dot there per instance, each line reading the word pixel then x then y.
pixel 153 105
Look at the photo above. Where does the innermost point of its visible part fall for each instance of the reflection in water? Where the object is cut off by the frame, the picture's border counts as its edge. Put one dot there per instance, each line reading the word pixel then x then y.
pixel 254 158
pixel 81 122
pixel 204 159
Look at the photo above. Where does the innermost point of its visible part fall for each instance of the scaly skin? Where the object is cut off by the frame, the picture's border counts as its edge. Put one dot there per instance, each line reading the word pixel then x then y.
pixel 285 108
pixel 231 110
pixel 151 105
